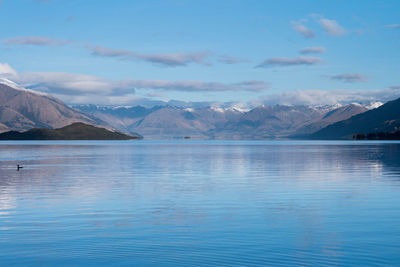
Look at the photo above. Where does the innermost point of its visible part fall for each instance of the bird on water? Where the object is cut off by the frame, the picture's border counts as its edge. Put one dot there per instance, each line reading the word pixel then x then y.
pixel 19 167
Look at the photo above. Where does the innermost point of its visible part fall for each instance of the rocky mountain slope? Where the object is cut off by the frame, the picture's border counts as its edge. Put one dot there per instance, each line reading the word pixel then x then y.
pixel 277 121
pixel 385 118
pixel 22 109
pixel 335 115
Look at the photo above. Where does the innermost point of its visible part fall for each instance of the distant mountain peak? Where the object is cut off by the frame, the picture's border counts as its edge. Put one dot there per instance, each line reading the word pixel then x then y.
pixel 219 121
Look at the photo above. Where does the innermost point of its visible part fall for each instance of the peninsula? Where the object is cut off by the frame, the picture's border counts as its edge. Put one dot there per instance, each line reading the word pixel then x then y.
pixel 75 131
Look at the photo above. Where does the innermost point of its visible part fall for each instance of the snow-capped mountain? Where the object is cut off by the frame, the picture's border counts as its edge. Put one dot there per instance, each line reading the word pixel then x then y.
pixel 22 109
pixel 373 105
pixel 384 119
pixel 15 86
pixel 222 121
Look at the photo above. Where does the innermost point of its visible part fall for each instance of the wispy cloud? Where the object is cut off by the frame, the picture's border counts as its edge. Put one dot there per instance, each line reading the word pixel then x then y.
pixel 197 86
pixel 228 59
pixel 313 50
pixel 350 77
pixel 302 29
pixel 79 88
pixel 70 83
pixel 34 40
pixel 393 26
pixel 75 85
pixel 283 61
pixel 163 59
pixel 109 52
pixel 332 27
pixel 324 97
pixel 6 70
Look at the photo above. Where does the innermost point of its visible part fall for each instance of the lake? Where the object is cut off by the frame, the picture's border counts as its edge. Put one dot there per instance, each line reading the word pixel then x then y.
pixel 191 203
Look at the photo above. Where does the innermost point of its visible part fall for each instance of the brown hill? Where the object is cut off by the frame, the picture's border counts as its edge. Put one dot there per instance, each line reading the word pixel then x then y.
pixel 22 109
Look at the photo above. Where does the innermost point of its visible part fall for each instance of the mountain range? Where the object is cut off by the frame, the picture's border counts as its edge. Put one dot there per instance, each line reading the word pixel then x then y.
pixel 166 122
pixel 23 109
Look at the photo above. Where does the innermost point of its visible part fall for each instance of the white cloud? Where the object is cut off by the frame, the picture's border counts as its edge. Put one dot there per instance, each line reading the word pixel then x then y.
pixel 228 59
pixel 350 77
pixel 197 86
pixel 163 59
pixel 324 97
pixel 332 27
pixel 283 61
pixel 69 86
pixel 313 50
pixel 302 29
pixel 69 83
pixel 7 70
pixel 34 40
pixel 126 99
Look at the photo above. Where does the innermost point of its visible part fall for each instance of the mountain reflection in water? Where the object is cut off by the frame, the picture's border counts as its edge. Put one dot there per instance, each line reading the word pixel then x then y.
pixel 194 203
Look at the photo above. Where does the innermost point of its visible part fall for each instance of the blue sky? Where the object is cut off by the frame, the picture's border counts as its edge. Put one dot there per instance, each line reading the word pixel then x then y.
pixel 290 52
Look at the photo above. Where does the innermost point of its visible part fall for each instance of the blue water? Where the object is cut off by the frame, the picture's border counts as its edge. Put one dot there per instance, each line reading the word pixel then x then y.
pixel 189 203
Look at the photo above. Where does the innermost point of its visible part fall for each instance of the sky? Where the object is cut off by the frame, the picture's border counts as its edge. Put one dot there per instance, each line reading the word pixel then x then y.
pixel 122 52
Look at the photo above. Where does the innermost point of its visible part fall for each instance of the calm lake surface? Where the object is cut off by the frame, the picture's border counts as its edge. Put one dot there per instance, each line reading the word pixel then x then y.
pixel 189 203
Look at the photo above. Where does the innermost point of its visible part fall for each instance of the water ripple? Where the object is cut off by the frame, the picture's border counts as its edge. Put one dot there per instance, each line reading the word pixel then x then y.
pixel 200 203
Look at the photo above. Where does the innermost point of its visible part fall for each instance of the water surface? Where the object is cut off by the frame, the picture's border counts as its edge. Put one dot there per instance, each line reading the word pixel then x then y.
pixel 189 203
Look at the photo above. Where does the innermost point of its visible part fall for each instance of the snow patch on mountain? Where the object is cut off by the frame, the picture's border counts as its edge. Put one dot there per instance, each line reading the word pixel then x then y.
pixel 326 108
pixel 121 107
pixel 15 86
pixel 373 105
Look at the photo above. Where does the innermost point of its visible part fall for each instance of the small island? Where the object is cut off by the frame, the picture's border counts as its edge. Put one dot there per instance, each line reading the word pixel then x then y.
pixel 75 131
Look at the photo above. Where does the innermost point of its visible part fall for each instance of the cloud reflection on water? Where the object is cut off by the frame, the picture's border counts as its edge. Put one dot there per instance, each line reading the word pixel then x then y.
pixel 303 199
